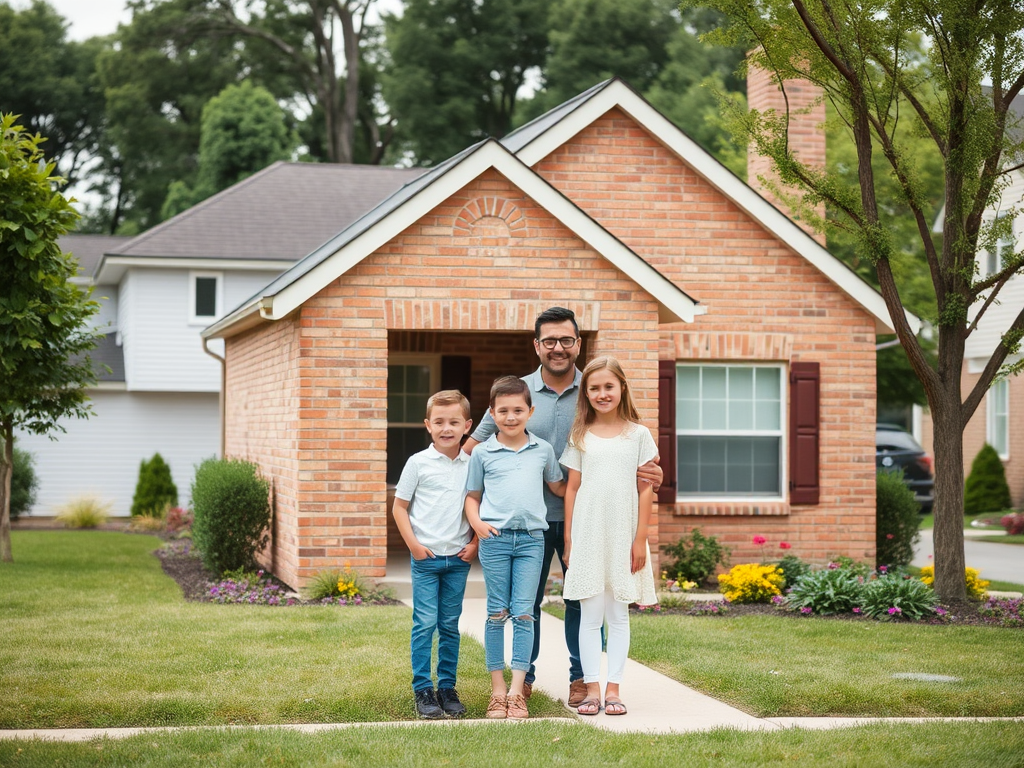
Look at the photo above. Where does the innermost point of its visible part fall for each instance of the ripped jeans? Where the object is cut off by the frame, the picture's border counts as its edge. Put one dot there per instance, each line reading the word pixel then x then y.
pixel 511 562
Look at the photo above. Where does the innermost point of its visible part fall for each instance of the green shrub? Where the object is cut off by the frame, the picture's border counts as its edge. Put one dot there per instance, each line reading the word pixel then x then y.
pixel 84 512
pixel 832 590
pixel 155 490
pixel 985 489
pixel 898 597
pixel 334 582
pixel 896 520
pixel 231 508
pixel 23 483
pixel 792 568
pixel 695 558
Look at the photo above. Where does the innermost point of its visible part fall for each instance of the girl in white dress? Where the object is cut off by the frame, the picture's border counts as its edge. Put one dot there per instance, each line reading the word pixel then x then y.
pixel 606 516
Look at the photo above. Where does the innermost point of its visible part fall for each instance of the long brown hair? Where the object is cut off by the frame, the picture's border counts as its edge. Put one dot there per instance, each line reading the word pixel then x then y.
pixel 585 413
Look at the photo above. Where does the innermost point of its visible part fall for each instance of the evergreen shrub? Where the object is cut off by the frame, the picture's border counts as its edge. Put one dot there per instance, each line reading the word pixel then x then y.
pixel 231 513
pixel 695 558
pixel 23 483
pixel 155 490
pixel 896 520
pixel 986 489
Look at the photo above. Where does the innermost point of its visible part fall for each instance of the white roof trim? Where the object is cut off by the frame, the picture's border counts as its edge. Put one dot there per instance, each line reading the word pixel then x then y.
pixel 675 305
pixel 112 266
pixel 618 94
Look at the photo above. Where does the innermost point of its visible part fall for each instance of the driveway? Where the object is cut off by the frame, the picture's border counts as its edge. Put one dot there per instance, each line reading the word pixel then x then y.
pixel 1003 562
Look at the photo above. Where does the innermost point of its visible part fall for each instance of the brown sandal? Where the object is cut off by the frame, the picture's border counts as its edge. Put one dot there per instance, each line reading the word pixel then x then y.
pixel 591 703
pixel 616 702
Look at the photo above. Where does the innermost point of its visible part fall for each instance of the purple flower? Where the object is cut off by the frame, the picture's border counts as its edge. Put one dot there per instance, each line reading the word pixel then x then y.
pixel 806 610
pixel 778 600
pixel 895 611
pixel 833 566
pixel 940 610
pixel 857 610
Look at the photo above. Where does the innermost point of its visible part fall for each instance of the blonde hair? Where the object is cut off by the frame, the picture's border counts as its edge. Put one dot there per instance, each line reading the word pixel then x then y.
pixel 449 397
pixel 585 413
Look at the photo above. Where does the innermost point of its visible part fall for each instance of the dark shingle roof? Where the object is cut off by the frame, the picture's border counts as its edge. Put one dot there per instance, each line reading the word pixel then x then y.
pixel 283 212
pixel 88 249
pixel 523 135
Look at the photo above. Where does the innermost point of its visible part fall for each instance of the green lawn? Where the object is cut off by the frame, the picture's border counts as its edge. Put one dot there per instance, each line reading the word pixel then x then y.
pixel 1015 539
pixel 95 635
pixel 957 745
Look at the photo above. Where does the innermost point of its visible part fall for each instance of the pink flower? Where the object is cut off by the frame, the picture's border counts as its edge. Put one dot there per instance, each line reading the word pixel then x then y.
pixel 805 610
pixel 895 611
pixel 784 545
pixel 883 569
pixel 760 540
pixel 856 610
pixel 889 536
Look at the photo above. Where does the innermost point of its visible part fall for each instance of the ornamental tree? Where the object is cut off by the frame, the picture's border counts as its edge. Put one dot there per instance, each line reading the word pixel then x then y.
pixel 44 339
pixel 951 72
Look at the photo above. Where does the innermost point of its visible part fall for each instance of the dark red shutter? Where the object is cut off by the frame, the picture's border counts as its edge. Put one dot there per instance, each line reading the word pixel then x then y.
pixel 667 429
pixel 804 430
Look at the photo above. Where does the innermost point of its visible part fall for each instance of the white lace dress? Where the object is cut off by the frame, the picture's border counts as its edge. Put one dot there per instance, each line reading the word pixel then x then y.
pixel 604 517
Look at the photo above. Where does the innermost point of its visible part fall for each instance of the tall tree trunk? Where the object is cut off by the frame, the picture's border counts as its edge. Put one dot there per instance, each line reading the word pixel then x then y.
pixel 6 471
pixel 950 584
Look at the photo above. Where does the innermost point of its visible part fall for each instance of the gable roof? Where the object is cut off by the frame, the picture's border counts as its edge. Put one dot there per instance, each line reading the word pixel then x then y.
pixel 539 138
pixel 89 249
pixel 277 215
pixel 416 199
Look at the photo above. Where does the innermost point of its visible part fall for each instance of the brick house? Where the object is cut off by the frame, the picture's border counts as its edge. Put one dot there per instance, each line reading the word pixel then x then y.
pixel 749 346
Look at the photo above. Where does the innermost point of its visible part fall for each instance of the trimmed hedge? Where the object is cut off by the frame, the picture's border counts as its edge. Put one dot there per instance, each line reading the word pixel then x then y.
pixel 231 508
pixel 986 489
pixel 155 490
pixel 896 520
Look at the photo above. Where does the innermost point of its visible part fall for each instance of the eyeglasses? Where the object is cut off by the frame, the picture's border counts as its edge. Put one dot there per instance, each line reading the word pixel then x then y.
pixel 566 341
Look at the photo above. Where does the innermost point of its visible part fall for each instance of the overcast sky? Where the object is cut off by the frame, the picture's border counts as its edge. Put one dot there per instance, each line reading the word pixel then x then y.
pixel 88 17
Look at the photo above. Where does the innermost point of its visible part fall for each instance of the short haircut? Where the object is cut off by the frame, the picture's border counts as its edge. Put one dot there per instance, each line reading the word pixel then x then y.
pixel 555 315
pixel 449 397
pixel 505 386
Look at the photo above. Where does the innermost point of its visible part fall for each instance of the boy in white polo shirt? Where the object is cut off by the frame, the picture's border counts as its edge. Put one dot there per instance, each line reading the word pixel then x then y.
pixel 428 510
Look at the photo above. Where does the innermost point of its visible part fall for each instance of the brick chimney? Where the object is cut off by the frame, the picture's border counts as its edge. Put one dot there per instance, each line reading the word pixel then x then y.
pixel 806 131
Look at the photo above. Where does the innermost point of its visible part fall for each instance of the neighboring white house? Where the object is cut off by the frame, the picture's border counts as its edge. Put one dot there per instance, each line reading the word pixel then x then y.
pixel 157 291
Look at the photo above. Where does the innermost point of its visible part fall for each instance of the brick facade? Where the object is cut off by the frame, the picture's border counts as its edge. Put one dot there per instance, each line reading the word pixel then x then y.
pixel 975 434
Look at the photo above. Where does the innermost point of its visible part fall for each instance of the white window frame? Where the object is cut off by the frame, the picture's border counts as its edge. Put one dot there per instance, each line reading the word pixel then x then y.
pixel 193 318
pixel 433 361
pixel 781 433
pixel 995 253
pixel 998 408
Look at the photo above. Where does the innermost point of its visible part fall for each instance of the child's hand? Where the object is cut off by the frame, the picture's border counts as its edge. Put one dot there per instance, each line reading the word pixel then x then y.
pixel 484 530
pixel 419 552
pixel 638 555
pixel 468 553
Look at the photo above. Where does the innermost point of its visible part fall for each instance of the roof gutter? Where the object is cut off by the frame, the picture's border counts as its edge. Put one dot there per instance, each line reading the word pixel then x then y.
pixel 223 393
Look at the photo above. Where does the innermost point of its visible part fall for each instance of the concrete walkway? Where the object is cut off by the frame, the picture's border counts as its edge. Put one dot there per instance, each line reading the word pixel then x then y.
pixel 1004 562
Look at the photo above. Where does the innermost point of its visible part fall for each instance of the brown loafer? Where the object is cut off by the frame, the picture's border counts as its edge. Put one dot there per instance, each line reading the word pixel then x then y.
pixel 497 707
pixel 517 707
pixel 577 692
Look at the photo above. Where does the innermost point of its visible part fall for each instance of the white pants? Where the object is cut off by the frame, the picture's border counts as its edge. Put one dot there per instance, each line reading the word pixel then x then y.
pixel 594 612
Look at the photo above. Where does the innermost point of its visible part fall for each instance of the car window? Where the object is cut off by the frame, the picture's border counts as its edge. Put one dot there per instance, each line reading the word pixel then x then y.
pixel 890 440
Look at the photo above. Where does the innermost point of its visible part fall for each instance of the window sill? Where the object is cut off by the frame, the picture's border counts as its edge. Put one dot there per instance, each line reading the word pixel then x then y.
pixel 683 508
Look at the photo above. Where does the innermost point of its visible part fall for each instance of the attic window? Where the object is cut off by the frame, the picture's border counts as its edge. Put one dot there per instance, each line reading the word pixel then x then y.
pixel 204 297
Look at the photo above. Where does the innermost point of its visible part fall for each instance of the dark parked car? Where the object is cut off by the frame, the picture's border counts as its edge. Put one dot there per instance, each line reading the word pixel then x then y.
pixel 895 448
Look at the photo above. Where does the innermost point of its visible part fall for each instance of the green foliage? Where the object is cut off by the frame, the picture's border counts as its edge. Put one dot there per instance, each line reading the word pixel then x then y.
pixel 334 582
pixel 84 512
pixel 695 558
pixel 985 489
pixel 23 483
pixel 897 516
pixel 155 490
pixel 243 131
pixel 914 599
pixel 792 568
pixel 231 507
pixel 832 590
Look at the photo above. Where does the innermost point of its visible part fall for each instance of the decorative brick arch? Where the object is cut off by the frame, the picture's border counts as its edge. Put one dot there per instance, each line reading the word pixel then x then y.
pixel 489 207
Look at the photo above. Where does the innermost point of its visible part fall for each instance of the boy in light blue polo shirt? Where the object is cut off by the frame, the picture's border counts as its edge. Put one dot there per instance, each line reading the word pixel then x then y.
pixel 429 513
pixel 505 506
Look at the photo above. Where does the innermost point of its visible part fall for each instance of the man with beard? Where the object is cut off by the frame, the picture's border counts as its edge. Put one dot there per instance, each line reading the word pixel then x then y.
pixel 555 387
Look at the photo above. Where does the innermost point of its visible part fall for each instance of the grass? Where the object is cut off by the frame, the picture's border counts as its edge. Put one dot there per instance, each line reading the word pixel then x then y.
pixel 777 666
pixel 964 745
pixel 928 521
pixel 96 635
pixel 1008 539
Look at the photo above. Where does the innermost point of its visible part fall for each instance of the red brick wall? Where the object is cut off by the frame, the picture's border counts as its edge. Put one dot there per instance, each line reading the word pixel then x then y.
pixel 764 303
pixel 488 259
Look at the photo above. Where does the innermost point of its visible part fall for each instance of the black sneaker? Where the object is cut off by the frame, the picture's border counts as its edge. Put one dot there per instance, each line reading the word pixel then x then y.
pixel 449 701
pixel 427 706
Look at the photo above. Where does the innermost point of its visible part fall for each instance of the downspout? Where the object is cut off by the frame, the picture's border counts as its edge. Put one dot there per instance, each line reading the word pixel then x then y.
pixel 223 386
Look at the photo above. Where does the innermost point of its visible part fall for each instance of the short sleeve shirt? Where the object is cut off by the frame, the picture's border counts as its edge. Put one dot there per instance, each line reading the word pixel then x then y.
pixel 513 482
pixel 435 487
pixel 551 421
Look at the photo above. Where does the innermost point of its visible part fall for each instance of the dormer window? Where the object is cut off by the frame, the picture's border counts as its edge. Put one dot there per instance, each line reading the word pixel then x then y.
pixel 204 297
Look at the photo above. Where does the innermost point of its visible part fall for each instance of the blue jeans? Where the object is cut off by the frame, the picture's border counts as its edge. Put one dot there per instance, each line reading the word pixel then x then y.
pixel 438 586
pixel 554 542
pixel 511 562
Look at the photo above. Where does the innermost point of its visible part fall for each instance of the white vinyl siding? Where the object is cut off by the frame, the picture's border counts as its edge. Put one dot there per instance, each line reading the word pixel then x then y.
pixel 729 428
pixel 998 418
pixel 106 319
pixel 101 455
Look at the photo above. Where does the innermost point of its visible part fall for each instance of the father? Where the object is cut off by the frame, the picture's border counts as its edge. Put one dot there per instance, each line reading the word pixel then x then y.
pixel 555 387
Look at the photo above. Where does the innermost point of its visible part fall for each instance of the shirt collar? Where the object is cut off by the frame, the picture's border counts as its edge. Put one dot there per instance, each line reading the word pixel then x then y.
pixel 433 453
pixel 493 445
pixel 539 385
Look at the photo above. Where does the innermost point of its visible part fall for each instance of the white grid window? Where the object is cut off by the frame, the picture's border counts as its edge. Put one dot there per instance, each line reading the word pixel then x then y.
pixel 729 428
pixel 412 379
pixel 998 430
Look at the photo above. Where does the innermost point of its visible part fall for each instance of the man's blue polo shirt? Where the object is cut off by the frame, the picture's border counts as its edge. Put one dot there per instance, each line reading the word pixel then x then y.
pixel 513 482
pixel 551 421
